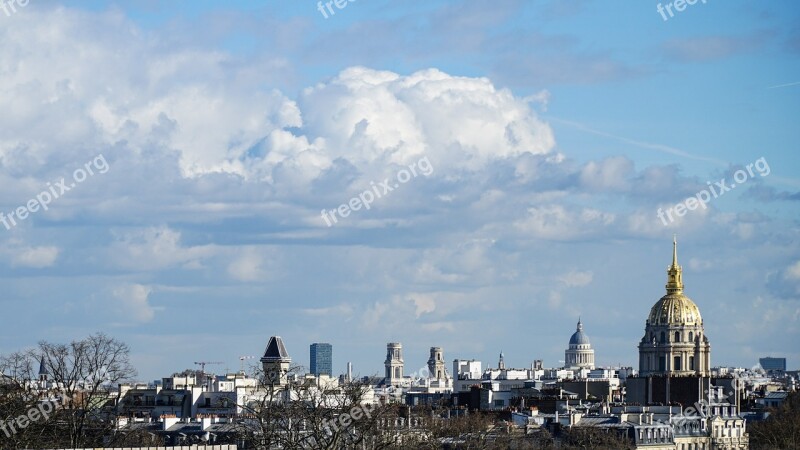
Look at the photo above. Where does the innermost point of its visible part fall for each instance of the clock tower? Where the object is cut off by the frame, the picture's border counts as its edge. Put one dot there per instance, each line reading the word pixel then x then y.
pixel 276 362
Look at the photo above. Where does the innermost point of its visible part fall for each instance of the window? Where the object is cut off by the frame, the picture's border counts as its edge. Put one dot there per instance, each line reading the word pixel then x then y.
pixel 663 337
pixel 662 363
pixel 691 336
pixel 691 363
pixel 677 363
pixel 677 336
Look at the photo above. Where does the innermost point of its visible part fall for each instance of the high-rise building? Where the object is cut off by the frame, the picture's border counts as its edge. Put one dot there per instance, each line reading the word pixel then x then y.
pixel 322 359
pixel 771 364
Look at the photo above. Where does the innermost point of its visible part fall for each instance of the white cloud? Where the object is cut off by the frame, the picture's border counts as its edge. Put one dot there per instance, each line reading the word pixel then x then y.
pixel 469 261
pixel 342 310
pixel 35 257
pixel 156 248
pixel 247 266
pixel 576 278
pixel 367 115
pixel 557 222
pixel 434 327
pixel 423 303
pixel 131 302
pixel 793 272
pixel 611 174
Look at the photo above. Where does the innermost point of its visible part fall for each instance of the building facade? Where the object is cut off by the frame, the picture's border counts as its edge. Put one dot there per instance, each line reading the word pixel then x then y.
pixel 771 364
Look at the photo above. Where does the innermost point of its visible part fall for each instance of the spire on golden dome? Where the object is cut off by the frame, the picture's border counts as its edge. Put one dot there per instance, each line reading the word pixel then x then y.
pixel 675 272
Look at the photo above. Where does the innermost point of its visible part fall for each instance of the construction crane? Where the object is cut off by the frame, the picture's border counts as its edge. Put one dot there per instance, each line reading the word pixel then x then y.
pixel 241 362
pixel 203 364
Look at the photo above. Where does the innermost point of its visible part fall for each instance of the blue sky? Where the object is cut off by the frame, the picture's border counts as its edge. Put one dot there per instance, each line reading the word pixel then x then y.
pixel 555 131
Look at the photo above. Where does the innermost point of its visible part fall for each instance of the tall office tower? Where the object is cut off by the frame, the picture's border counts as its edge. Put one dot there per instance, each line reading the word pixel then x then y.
pixel 322 359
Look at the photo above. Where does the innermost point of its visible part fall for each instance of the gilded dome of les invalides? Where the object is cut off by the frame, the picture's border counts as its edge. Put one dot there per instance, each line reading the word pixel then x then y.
pixel 675 309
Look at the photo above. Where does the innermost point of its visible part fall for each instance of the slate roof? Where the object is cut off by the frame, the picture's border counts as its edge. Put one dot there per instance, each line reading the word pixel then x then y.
pixel 275 350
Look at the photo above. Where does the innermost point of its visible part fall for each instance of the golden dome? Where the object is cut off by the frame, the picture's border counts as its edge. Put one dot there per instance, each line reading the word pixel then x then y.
pixel 675 309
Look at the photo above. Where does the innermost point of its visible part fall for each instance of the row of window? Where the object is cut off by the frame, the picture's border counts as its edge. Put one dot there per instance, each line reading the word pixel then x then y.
pixel 677 363
pixel 677 337
pixel 693 446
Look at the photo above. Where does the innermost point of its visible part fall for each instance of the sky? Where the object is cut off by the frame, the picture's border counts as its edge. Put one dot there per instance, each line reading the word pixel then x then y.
pixel 193 177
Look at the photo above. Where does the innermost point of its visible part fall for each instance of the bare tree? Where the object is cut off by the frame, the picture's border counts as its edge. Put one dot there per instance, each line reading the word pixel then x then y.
pixel 584 437
pixel 20 399
pixel 75 388
pixel 302 414
pixel 82 374
pixel 781 430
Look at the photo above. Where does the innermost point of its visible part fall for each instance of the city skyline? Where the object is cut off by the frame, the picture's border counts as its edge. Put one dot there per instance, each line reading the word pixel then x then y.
pixel 308 368
pixel 194 177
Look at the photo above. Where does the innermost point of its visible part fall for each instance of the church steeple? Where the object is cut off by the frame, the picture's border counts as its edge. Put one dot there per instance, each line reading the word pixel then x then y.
pixel 675 272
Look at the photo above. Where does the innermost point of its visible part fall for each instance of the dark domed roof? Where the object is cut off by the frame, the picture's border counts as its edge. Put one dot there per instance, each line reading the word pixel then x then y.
pixel 579 337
